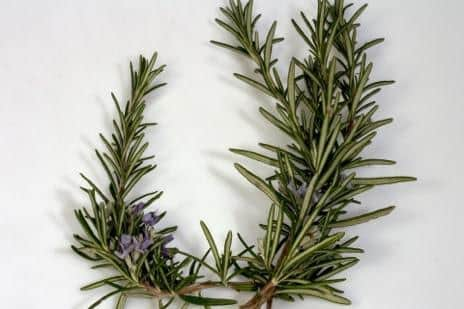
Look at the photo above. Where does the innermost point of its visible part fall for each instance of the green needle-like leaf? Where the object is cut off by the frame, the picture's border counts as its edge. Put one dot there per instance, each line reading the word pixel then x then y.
pixel 212 245
pixel 204 301
pixel 258 182
pixel 254 84
pixel 256 156
pixel 363 218
pixel 375 181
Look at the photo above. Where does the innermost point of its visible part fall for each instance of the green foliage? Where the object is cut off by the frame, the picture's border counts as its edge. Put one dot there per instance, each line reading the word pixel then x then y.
pixel 326 110
pixel 324 104
pixel 116 218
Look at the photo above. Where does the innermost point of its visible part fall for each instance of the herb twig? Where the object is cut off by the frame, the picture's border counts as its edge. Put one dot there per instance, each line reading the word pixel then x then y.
pixel 324 106
pixel 118 230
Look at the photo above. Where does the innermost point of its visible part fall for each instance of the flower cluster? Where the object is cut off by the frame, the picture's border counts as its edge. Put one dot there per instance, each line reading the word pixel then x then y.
pixel 131 246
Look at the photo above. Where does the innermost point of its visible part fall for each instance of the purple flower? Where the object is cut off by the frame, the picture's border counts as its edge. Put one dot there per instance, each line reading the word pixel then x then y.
pixel 126 240
pixel 343 177
pixel 299 192
pixel 126 246
pixel 129 244
pixel 164 250
pixel 137 209
pixel 142 243
pixel 150 218
pixel 317 196
pixel 168 239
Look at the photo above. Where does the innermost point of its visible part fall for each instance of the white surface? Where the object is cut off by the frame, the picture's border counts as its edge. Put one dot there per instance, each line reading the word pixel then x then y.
pixel 60 59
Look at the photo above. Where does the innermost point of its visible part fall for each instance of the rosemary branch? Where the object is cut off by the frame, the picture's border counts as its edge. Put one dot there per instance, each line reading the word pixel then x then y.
pixel 119 232
pixel 324 104
pixel 326 111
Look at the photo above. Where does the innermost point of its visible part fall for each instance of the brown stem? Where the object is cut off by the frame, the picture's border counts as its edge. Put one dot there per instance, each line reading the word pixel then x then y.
pixel 262 297
pixel 267 293
pixel 269 303
pixel 158 293
pixel 283 254
pixel 197 287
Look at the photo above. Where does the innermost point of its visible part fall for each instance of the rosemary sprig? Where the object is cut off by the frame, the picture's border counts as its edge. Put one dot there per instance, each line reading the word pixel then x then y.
pixel 117 231
pixel 326 110
pixel 325 107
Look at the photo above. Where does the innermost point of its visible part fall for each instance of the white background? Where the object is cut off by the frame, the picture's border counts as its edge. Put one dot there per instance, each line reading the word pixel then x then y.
pixel 59 60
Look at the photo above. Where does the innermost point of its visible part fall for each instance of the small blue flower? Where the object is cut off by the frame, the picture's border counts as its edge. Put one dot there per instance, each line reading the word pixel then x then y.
pixel 299 192
pixel 317 196
pixel 137 209
pixel 345 176
pixel 126 246
pixel 129 244
pixel 151 218
pixel 142 243
pixel 168 239
pixel 164 250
